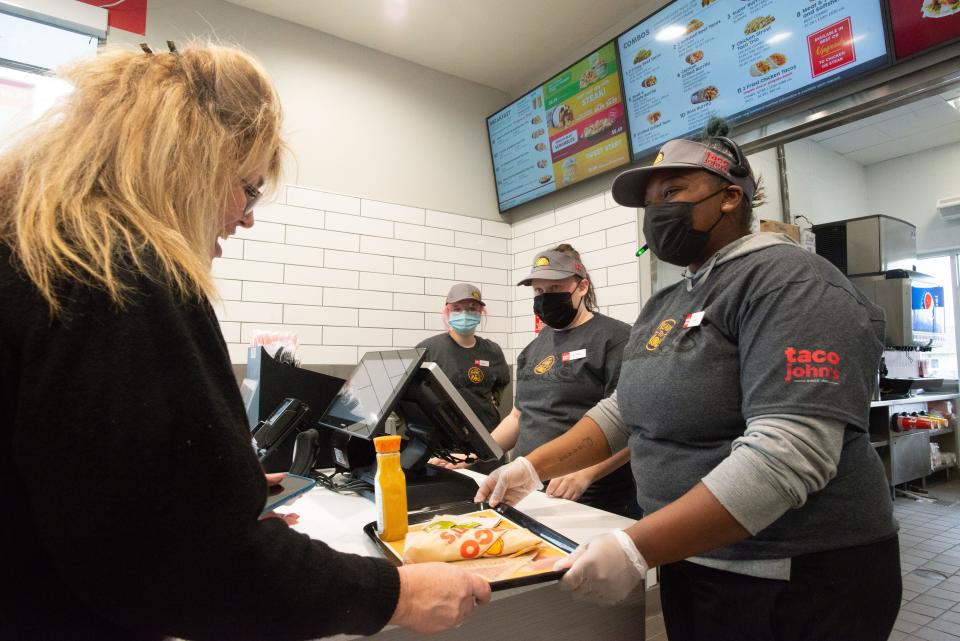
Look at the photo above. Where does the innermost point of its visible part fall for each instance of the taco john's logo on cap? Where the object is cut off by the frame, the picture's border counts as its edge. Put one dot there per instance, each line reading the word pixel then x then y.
pixel 542 261
pixel 663 329
pixel 475 294
pixel 544 366
pixel 658 159
pixel 812 366
pixel 714 161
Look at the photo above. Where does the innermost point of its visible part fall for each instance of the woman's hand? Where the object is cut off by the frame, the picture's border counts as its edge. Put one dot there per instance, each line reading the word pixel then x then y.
pixel 570 486
pixel 437 596
pixel 439 462
pixel 290 519
pixel 275 478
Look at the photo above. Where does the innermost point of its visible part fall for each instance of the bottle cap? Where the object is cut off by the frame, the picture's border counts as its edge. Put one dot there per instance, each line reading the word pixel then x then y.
pixel 387 443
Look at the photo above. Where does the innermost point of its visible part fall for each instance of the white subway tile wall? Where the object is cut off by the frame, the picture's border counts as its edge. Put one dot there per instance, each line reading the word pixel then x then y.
pixel 288 215
pixel 270 232
pixel 349 275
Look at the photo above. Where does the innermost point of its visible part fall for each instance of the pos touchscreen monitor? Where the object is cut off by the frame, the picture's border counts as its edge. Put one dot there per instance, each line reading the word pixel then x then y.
pixel 426 409
pixel 364 402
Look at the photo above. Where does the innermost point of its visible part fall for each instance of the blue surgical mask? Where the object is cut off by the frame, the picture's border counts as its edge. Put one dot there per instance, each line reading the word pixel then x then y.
pixel 464 322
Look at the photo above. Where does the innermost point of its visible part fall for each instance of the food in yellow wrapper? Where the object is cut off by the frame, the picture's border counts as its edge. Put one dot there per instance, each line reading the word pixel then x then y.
pixel 454 538
pixel 499 556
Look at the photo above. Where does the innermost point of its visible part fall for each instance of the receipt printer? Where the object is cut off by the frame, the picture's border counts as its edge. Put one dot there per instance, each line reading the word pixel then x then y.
pixel 274 437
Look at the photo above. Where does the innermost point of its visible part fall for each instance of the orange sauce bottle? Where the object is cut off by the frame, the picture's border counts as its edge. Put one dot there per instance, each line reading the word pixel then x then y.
pixel 390 490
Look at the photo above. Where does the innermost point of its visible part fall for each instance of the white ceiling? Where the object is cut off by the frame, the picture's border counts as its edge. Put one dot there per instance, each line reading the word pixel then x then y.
pixel 511 44
pixel 503 44
pixel 924 124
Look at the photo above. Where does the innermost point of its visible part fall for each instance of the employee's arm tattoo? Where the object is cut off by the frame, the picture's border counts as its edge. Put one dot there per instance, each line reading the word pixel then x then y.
pixel 586 443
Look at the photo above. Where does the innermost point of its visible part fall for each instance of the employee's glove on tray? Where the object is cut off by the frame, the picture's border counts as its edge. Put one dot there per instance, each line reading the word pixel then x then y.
pixel 509 484
pixel 603 570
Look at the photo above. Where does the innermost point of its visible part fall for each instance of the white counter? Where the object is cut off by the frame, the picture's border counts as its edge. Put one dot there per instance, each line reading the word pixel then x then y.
pixel 530 613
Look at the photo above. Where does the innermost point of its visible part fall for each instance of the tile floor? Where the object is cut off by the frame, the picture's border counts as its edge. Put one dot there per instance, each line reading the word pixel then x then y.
pixel 930 563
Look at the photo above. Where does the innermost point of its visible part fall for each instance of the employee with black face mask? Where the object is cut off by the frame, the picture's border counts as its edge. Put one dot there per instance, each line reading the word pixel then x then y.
pixel 573 363
pixel 745 398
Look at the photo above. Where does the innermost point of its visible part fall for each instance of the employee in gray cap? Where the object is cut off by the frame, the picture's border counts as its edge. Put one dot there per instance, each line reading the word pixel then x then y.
pixel 475 365
pixel 573 363
pixel 745 396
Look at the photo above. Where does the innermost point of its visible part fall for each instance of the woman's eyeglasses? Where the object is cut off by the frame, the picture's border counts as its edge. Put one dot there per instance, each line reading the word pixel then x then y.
pixel 253 196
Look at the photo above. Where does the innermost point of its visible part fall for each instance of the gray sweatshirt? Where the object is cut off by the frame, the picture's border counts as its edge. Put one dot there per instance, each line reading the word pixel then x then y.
pixel 754 377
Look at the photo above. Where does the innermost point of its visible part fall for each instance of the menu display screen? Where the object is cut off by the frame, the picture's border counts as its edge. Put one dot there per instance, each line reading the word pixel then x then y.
pixel 568 129
pixel 733 58
pixel 919 25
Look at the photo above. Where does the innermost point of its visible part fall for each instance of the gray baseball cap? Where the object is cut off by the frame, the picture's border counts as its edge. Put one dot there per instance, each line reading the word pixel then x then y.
pixel 554 265
pixel 629 188
pixel 464 291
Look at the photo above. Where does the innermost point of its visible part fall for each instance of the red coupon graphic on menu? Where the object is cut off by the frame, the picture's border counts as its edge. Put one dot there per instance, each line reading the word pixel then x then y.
pixel 831 47
pixel 588 132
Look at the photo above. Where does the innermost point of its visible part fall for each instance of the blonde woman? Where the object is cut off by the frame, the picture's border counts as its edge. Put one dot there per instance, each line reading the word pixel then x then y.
pixel 131 489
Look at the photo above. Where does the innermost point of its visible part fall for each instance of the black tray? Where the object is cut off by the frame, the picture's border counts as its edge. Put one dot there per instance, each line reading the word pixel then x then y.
pixel 550 536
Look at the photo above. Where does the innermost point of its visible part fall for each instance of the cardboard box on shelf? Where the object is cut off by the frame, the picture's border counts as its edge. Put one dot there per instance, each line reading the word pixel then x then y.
pixel 793 231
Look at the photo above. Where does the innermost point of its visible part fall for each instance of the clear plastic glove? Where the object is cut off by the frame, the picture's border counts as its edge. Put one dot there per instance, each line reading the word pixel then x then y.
pixel 570 486
pixel 436 597
pixel 509 484
pixel 603 570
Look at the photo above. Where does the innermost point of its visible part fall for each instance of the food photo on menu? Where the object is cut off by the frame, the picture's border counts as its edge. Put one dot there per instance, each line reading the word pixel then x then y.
pixel 921 25
pixel 768 64
pixel 585 118
pixel 642 55
pixel 706 94
pixel 940 8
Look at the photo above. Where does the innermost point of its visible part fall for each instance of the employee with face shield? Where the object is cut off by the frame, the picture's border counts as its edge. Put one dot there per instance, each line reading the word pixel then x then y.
pixel 745 395
pixel 573 363
pixel 475 365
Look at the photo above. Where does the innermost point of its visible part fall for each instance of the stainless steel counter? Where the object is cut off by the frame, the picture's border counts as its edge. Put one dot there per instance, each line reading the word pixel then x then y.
pixel 919 398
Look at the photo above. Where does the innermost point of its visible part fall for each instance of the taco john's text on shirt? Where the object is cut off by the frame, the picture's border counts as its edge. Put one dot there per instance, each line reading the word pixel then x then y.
pixel 812 366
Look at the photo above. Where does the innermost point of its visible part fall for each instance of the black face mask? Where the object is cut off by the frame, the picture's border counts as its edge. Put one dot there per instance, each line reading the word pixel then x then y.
pixel 555 309
pixel 668 229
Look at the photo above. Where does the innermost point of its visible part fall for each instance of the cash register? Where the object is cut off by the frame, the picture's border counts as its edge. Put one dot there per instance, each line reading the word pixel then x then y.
pixel 397 392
